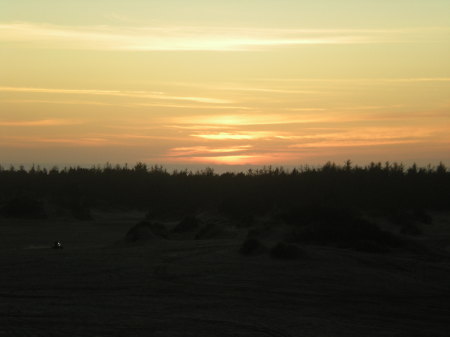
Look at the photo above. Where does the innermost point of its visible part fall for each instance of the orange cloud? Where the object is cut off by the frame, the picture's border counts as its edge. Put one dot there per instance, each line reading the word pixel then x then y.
pixel 34 142
pixel 179 38
pixel 234 136
pixel 204 150
pixel 45 122
pixel 245 119
pixel 228 160
pixel 118 93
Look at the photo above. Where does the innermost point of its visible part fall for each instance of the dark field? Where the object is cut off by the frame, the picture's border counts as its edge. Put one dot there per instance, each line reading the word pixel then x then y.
pixel 313 267
pixel 99 285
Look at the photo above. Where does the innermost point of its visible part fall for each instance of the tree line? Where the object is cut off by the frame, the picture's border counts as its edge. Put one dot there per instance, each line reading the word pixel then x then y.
pixel 389 188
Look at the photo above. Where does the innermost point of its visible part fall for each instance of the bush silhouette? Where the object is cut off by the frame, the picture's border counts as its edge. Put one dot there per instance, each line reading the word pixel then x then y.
pixel 411 229
pixel 145 230
pixel 213 231
pixel 407 220
pixel 286 251
pixel 252 246
pixel 188 224
pixel 423 216
pixel 343 229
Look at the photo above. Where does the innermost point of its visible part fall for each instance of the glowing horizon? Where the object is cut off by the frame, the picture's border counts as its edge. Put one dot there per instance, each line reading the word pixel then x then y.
pixel 267 83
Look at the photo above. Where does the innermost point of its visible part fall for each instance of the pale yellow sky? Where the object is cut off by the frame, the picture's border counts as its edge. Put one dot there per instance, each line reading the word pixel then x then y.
pixel 238 83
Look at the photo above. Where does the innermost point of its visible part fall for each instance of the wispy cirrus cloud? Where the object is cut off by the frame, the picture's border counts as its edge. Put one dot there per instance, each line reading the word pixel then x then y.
pixel 289 146
pixel 242 120
pixel 205 150
pixel 356 80
pixel 176 38
pixel 173 106
pixel 234 155
pixel 118 93
pixel 234 136
pixel 363 137
pixel 36 142
pixel 43 122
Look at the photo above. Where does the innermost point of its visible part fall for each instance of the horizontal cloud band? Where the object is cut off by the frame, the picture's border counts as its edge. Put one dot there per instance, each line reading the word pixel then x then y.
pixel 194 38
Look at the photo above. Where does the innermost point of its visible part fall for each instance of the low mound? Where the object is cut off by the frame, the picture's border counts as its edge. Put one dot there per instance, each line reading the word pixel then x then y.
pixel 194 228
pixel 410 221
pixel 213 231
pixel 286 251
pixel 345 230
pixel 252 246
pixel 187 225
pixel 146 231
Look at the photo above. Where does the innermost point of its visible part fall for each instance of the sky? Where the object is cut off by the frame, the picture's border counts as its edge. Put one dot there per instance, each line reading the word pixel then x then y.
pixel 236 83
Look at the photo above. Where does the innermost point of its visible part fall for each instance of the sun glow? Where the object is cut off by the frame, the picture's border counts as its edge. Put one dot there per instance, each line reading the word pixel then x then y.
pixel 213 155
pixel 224 83
pixel 228 160
pixel 190 38
pixel 233 136
pixel 205 150
pixel 246 119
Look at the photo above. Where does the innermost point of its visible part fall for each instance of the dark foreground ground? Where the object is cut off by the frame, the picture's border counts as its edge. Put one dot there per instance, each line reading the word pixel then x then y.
pixel 97 286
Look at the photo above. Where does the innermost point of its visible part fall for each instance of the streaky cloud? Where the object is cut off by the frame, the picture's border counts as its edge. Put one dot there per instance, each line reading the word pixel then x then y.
pixel 179 38
pixel 357 80
pixel 117 93
pixel 43 122
pixel 234 136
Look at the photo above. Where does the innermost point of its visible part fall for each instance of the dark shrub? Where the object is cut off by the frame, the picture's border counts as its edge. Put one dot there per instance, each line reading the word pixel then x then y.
pixel 411 229
pixel 24 207
pixel 159 229
pixel 245 221
pixel 423 216
pixel 145 231
pixel 312 212
pixel 401 218
pixel 209 231
pixel 252 246
pixel 188 224
pixel 345 230
pixel 407 220
pixel 253 233
pixel 369 246
pixel 286 251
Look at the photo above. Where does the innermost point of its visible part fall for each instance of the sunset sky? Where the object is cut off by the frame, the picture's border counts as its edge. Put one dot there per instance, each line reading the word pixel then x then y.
pixel 239 82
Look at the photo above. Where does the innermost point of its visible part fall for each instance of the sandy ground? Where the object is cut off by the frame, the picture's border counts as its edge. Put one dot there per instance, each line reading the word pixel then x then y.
pixel 95 287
